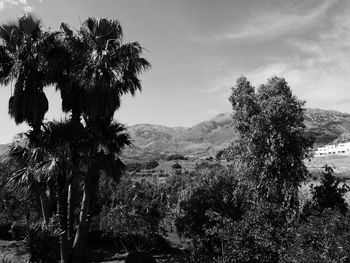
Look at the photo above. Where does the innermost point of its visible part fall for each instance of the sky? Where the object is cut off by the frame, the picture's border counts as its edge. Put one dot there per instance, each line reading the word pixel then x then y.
pixel 198 48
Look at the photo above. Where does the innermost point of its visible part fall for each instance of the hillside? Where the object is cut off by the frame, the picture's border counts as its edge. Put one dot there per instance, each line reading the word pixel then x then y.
pixel 207 137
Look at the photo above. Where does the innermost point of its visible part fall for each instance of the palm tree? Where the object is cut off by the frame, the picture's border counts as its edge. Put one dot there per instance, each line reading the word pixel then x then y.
pixel 29 178
pixel 92 69
pixel 102 69
pixel 26 55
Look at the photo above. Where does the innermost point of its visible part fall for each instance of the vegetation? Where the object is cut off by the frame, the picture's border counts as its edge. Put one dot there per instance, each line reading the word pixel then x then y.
pixel 92 69
pixel 64 186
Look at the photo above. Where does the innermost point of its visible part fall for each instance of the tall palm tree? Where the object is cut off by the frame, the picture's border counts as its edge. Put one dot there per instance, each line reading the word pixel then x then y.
pixel 56 139
pixel 102 69
pixel 24 58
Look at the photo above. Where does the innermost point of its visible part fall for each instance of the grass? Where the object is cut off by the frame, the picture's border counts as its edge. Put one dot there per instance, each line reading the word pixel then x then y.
pixel 12 252
pixel 9 257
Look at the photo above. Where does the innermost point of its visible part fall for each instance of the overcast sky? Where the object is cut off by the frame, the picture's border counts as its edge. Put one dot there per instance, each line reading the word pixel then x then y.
pixel 198 48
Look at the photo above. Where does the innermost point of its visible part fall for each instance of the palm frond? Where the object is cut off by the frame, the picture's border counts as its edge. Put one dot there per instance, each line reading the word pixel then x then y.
pixel 30 25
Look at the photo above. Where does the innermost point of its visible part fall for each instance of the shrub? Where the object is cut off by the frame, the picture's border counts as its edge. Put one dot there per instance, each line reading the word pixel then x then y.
pixel 42 243
pixel 8 258
pixel 216 193
pixel 176 166
pixel 150 165
pixel 135 215
pixel 175 157
pixel 321 238
pixel 328 194
pixel 134 167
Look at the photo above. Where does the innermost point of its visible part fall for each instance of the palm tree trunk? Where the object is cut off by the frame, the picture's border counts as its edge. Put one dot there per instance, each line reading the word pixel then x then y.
pixel 62 217
pixel 70 215
pixel 45 208
pixel 81 236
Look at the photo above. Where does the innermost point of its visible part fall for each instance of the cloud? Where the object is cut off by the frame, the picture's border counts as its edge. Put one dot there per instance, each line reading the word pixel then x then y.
pixel 28 9
pixel 319 70
pixel 268 24
pixel 8 3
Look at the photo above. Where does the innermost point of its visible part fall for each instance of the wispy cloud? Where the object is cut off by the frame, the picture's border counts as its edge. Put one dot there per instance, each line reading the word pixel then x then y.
pixel 267 24
pixel 10 3
pixel 319 69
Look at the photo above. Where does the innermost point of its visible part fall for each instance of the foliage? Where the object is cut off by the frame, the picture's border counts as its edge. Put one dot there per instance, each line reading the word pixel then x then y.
pixel 15 205
pixel 135 215
pixel 42 243
pixel 8 258
pixel 272 142
pixel 176 166
pixel 134 167
pixel 259 236
pixel 212 192
pixel 150 165
pixel 328 194
pixel 175 157
pixel 321 238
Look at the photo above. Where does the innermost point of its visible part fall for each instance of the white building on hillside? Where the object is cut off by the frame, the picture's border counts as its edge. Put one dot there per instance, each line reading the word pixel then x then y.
pixel 340 149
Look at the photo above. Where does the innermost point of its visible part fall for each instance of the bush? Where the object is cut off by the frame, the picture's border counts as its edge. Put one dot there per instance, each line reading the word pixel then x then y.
pixel 328 194
pixel 259 236
pixel 214 193
pixel 176 166
pixel 150 165
pixel 135 215
pixel 42 243
pixel 8 258
pixel 321 238
pixel 175 157
pixel 134 167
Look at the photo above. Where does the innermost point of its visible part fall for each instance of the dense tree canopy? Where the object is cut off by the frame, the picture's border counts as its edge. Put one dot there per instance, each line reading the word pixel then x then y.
pixel 272 143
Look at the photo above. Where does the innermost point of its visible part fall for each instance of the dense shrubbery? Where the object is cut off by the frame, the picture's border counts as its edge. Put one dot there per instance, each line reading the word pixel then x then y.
pixel 42 243
pixel 150 165
pixel 320 238
pixel 175 157
pixel 134 216
pixel 138 166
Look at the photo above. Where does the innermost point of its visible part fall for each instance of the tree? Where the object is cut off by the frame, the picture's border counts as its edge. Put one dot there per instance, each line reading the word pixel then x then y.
pixel 329 194
pixel 271 142
pixel 108 70
pixel 28 177
pixel 25 54
pixel 92 69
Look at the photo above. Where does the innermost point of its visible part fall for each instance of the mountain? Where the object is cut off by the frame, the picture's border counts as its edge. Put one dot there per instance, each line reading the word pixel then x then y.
pixel 207 137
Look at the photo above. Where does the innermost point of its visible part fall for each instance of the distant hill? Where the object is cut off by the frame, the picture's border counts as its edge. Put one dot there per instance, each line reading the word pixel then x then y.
pixel 207 137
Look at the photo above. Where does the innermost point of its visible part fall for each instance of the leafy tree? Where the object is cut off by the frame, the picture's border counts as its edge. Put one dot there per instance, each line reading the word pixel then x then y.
pixel 271 142
pixel 329 194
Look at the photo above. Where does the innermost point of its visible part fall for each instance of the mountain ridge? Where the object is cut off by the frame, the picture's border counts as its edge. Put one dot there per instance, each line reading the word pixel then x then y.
pixel 208 137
